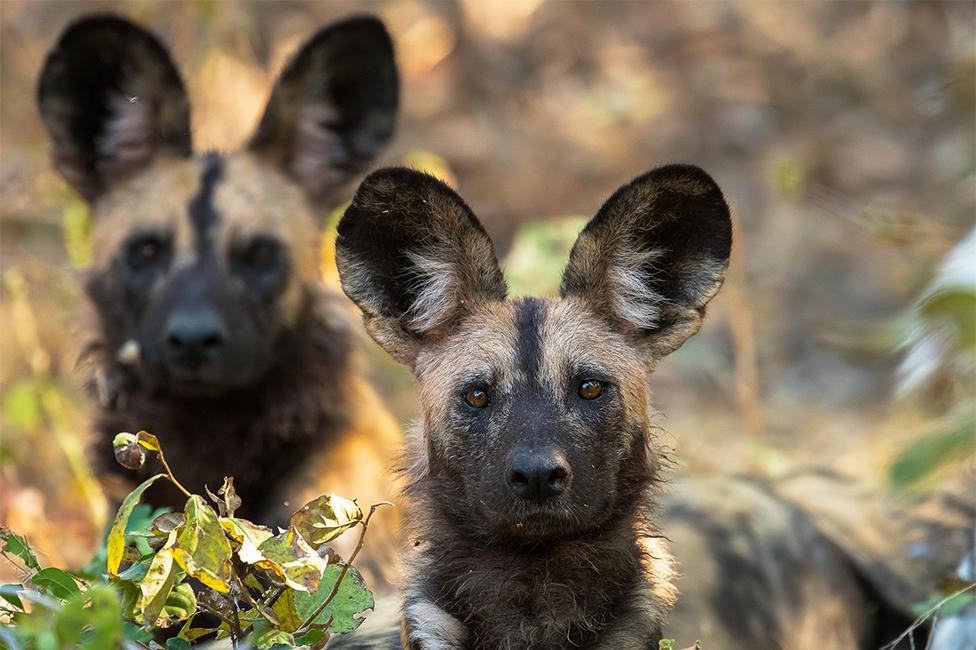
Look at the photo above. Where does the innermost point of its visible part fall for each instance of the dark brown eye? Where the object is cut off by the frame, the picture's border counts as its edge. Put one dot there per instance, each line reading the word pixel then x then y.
pixel 146 252
pixel 260 254
pixel 590 388
pixel 477 398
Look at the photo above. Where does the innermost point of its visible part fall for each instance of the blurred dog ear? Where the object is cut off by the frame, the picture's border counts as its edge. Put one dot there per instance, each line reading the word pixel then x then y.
pixel 112 101
pixel 654 255
pixel 333 108
pixel 414 258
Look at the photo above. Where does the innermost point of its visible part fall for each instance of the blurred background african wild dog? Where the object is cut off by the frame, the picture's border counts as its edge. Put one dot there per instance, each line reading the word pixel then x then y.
pixel 842 133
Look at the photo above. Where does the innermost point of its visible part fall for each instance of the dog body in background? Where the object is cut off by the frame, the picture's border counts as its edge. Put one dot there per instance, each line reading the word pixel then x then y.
pixel 215 332
pixel 532 472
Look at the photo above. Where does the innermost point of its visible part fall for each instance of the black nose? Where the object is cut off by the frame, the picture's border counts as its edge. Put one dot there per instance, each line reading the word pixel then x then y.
pixel 538 475
pixel 194 336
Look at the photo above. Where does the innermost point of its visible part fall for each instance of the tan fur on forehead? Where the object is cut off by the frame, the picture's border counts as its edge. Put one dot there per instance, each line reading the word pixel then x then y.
pixel 573 337
pixel 253 199
pixel 484 341
pixel 156 199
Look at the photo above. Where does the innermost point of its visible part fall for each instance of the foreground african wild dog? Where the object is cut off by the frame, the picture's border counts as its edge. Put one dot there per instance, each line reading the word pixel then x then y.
pixel 214 330
pixel 532 472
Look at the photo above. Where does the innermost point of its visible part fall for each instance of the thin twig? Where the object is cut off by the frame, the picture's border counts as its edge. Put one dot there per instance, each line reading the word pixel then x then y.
pixel 169 472
pixel 909 633
pixel 342 573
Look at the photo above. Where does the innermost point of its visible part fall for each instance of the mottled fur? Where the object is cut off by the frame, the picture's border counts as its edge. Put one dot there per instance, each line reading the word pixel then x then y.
pixel 274 393
pixel 584 565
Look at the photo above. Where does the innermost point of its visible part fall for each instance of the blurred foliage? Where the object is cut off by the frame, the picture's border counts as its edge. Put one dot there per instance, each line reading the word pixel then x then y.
pixel 275 590
pixel 939 335
pixel 534 265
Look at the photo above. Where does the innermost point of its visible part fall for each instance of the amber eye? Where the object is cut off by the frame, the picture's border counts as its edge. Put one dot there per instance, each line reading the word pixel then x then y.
pixel 590 388
pixel 477 398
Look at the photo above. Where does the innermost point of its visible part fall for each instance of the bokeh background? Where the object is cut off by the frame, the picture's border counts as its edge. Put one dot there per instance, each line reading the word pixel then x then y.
pixel 842 133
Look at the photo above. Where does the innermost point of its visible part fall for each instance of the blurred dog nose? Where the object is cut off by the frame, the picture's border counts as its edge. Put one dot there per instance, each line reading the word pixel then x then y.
pixel 193 337
pixel 537 475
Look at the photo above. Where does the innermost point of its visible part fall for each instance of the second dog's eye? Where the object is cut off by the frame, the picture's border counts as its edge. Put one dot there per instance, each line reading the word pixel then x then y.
pixel 590 388
pixel 477 398
pixel 261 255
pixel 147 251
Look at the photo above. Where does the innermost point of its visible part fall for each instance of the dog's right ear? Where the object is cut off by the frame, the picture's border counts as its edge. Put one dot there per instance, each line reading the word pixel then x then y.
pixel 414 258
pixel 112 101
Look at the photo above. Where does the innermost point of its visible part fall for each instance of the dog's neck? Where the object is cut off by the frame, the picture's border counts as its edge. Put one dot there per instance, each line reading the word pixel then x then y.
pixel 546 593
pixel 253 434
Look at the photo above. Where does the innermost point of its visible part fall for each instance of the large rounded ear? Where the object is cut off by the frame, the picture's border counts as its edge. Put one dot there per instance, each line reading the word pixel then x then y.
pixel 654 255
pixel 112 101
pixel 414 258
pixel 333 108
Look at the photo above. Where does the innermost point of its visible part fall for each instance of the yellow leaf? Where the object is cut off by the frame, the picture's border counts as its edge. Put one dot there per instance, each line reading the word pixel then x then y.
pixel 156 586
pixel 325 518
pixel 116 536
pixel 202 548
pixel 289 557
pixel 148 440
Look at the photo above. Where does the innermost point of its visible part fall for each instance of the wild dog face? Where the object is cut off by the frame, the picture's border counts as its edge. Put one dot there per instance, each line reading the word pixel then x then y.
pixel 202 263
pixel 535 411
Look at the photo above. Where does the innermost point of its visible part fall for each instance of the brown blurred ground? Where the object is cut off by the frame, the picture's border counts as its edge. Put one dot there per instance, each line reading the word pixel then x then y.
pixel 842 134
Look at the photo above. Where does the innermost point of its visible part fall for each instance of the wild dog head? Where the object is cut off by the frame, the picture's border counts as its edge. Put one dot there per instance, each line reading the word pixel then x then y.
pixel 202 263
pixel 535 411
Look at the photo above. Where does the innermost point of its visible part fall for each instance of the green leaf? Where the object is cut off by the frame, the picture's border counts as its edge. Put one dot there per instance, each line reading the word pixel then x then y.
pixel 116 536
pixel 22 406
pixel 272 637
pixel 314 639
pixel 180 605
pixel 289 557
pixel 157 584
pixel 132 632
pixel 202 548
pixel 665 644
pixel 325 518
pixel 17 544
pixel 284 609
pixel 9 593
pixel 350 602
pixel 955 441
pixel 178 644
pixel 91 620
pixel 56 582
pixel 76 226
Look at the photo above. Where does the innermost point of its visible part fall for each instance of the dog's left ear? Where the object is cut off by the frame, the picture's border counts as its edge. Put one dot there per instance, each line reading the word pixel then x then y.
pixel 333 108
pixel 654 255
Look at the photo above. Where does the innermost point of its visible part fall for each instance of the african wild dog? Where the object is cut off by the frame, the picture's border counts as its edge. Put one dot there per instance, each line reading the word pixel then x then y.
pixel 214 330
pixel 532 472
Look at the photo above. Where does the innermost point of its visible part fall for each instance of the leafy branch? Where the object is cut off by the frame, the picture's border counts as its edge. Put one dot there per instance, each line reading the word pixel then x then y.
pixel 272 590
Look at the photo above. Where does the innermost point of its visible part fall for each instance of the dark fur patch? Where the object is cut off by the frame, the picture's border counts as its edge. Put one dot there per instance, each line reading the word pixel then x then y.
pixel 528 325
pixel 203 214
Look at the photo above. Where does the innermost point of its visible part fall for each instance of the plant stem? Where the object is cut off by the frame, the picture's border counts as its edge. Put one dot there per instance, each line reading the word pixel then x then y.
pixel 169 473
pixel 342 573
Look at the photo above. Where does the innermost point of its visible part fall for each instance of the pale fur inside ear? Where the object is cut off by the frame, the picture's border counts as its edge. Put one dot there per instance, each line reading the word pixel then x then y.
pixel 128 138
pixel 436 283
pixel 631 274
pixel 317 148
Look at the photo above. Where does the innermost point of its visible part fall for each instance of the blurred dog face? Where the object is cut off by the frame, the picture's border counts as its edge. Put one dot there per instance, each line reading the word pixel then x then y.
pixel 203 263
pixel 536 412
